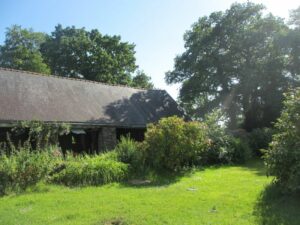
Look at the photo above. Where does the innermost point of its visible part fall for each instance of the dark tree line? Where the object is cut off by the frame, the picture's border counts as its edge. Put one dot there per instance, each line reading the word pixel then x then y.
pixel 73 52
pixel 240 60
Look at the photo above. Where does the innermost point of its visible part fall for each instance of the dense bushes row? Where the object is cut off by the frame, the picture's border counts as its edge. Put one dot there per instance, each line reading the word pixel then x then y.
pixel 170 145
pixel 89 170
pixel 26 167
pixel 174 144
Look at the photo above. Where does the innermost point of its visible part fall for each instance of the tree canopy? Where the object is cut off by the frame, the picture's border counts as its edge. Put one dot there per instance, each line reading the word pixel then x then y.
pixel 73 52
pixel 76 52
pixel 142 80
pixel 239 60
pixel 21 50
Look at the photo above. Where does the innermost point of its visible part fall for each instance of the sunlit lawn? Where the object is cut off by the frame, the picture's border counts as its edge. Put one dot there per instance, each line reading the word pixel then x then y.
pixel 219 195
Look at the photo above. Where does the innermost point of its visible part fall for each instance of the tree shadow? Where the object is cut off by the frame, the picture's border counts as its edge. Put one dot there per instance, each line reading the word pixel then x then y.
pixel 257 166
pixel 139 109
pixel 157 179
pixel 273 207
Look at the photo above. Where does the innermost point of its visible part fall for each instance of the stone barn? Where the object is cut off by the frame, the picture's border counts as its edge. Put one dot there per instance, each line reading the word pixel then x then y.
pixel 99 114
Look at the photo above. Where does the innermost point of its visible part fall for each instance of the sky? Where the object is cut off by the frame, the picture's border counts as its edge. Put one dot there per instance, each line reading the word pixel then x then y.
pixel 156 27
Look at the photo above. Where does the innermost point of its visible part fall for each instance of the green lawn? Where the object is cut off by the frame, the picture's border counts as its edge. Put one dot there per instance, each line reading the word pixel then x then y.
pixel 221 195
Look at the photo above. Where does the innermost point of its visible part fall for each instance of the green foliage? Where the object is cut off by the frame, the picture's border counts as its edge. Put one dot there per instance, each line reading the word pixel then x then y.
pixel 240 150
pixel 21 50
pixel 173 144
pixel 74 52
pixel 223 147
pixel 142 80
pixel 283 155
pixel 130 152
pixel 236 59
pixel 90 170
pixel 24 168
pixel 295 17
pixel 41 134
pixel 259 139
pixel 219 141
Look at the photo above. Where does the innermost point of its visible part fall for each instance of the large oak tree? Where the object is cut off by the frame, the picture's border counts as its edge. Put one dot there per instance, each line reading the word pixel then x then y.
pixel 237 60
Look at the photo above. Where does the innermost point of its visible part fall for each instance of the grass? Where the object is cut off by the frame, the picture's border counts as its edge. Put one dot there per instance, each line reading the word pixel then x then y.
pixel 217 195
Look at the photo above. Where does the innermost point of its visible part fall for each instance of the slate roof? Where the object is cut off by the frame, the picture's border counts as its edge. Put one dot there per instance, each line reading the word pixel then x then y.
pixel 31 96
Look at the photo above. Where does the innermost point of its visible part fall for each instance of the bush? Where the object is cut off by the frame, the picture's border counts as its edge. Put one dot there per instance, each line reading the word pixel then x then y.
pixel 90 170
pixel 24 168
pixel 219 142
pixel 223 147
pixel 240 150
pixel 283 155
pixel 259 139
pixel 173 143
pixel 130 152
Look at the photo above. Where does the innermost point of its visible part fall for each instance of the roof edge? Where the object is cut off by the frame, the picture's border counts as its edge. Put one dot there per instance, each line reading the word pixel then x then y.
pixel 75 79
pixel 11 123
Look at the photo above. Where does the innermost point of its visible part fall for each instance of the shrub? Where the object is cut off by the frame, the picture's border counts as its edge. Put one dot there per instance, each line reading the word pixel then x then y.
pixel 219 142
pixel 283 155
pixel 173 143
pixel 90 170
pixel 240 150
pixel 259 139
pixel 23 168
pixel 223 147
pixel 130 152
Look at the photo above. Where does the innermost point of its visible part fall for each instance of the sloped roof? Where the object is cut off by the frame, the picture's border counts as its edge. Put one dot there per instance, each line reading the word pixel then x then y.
pixel 31 96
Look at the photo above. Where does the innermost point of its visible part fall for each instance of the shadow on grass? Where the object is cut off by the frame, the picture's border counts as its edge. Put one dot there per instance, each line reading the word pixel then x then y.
pixel 257 166
pixel 157 179
pixel 275 208
pixel 151 178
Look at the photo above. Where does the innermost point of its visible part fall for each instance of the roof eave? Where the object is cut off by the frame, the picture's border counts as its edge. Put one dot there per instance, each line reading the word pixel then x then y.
pixel 12 123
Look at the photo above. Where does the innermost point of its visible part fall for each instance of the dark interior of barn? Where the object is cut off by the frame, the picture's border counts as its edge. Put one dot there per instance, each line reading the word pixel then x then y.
pixel 78 140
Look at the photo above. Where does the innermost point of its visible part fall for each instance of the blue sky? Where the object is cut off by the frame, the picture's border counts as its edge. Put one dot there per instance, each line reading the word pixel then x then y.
pixel 155 26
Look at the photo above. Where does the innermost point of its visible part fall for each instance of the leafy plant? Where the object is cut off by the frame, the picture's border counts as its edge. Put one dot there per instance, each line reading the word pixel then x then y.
pixel 89 170
pixel 283 156
pixel 24 168
pixel 223 147
pixel 173 143
pixel 259 139
pixel 130 152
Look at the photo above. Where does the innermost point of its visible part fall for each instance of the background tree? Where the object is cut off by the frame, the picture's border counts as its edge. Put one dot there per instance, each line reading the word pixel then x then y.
pixel 76 52
pixel 295 17
pixel 73 52
pixel 142 80
pixel 21 50
pixel 235 60
pixel 292 44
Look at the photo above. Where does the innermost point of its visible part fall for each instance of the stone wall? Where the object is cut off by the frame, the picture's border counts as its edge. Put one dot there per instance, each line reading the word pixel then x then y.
pixel 107 138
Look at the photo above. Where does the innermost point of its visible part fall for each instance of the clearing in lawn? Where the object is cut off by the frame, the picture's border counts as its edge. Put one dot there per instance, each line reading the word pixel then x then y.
pixel 215 195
